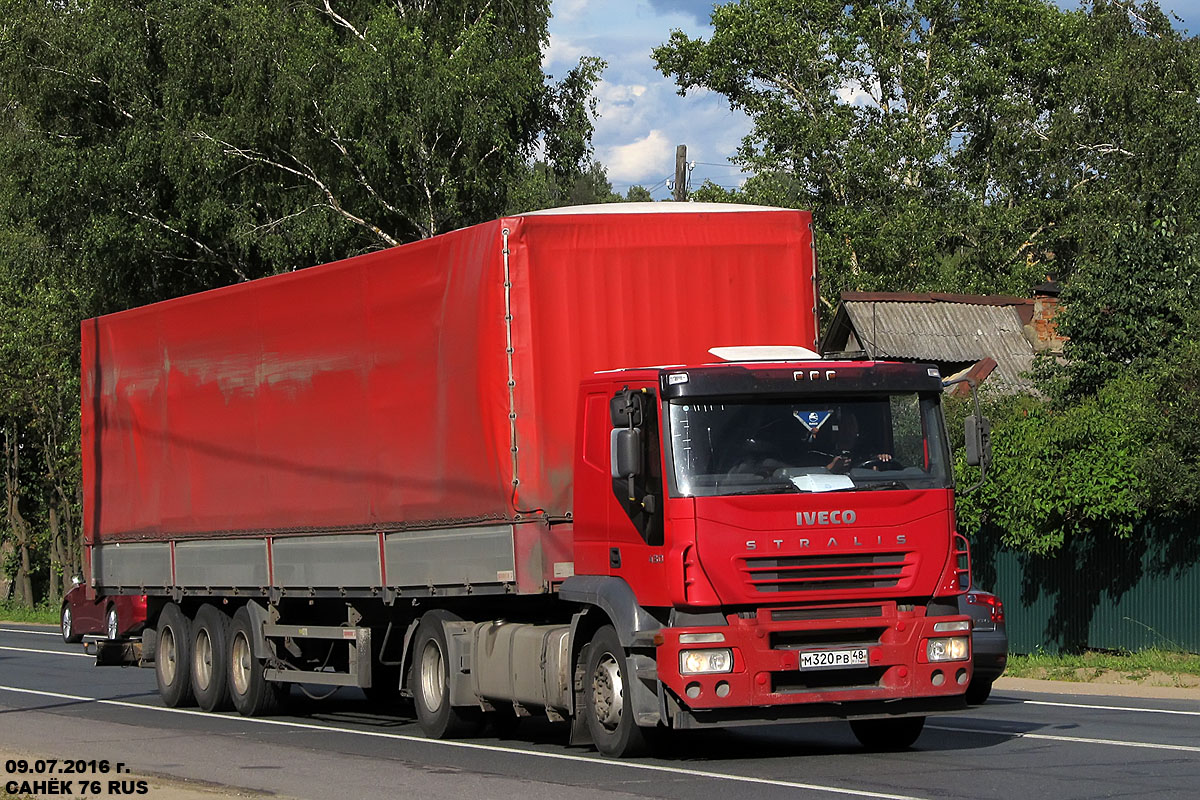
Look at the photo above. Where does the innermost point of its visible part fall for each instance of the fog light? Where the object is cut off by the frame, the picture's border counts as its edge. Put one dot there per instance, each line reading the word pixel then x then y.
pixel 722 689
pixel 951 648
pixel 961 677
pixel 937 679
pixel 693 690
pixel 697 662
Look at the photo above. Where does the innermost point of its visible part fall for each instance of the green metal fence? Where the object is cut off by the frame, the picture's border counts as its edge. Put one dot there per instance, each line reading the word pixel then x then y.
pixel 1100 593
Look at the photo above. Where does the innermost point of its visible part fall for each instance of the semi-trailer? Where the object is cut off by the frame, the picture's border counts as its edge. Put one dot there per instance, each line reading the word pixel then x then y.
pixel 581 463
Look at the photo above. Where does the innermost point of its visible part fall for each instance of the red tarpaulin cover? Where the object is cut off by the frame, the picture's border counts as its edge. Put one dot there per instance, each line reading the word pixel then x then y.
pixel 374 392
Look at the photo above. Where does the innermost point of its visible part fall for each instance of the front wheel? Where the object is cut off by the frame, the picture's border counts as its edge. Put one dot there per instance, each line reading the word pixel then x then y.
pixel 608 709
pixel 978 692
pixel 67 624
pixel 430 682
pixel 883 735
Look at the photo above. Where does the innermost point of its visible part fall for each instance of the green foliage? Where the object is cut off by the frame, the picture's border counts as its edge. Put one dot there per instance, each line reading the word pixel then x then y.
pixel 1088 666
pixel 44 613
pixel 154 148
pixel 969 146
pixel 1063 472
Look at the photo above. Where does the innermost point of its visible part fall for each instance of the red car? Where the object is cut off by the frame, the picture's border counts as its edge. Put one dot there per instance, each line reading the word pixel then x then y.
pixel 113 617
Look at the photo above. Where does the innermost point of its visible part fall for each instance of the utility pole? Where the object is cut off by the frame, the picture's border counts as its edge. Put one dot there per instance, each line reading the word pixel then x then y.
pixel 681 171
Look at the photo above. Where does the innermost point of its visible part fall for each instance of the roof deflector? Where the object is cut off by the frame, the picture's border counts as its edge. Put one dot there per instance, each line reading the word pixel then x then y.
pixel 766 352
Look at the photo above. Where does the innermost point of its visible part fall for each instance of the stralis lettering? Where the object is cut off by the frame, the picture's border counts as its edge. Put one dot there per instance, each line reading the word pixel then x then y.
pixel 832 541
pixel 846 517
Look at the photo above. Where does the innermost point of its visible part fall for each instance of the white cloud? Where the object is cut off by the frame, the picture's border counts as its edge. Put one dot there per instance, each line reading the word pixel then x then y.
pixel 653 154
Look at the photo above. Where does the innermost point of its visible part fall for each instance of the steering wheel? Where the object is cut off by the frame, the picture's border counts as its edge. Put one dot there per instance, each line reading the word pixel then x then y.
pixel 879 465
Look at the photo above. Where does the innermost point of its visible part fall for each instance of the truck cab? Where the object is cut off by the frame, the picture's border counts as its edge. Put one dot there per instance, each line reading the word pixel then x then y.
pixel 789 529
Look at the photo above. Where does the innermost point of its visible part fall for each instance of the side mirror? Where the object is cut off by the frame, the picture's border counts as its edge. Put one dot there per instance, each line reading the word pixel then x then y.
pixel 979 441
pixel 626 453
pixel 627 409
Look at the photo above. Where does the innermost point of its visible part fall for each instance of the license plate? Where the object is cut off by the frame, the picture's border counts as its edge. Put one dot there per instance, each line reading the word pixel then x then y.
pixel 833 659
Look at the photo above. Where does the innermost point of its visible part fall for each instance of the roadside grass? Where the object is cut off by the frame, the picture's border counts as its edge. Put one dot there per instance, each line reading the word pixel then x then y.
pixel 1093 664
pixel 44 613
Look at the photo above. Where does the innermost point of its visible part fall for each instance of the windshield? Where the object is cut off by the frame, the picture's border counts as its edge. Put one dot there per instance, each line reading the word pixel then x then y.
pixel 808 445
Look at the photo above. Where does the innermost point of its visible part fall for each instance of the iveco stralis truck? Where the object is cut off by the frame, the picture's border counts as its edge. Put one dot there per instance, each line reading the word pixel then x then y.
pixel 556 464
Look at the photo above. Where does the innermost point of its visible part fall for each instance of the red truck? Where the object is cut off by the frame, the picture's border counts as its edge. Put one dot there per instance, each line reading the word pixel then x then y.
pixel 500 472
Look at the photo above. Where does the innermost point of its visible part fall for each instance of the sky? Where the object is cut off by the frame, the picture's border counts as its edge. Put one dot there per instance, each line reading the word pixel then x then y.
pixel 641 117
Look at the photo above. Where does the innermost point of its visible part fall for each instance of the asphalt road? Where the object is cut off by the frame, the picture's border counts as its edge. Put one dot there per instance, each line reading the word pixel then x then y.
pixel 55 703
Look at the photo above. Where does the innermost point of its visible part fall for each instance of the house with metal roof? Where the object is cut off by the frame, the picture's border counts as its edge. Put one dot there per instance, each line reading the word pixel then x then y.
pixel 981 336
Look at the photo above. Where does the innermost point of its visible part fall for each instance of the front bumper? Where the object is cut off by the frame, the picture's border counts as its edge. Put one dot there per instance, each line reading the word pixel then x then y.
pixel 767 678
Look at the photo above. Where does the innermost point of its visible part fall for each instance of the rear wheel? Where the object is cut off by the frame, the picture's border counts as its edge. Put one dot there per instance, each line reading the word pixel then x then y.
pixel 430 682
pixel 608 710
pixel 888 734
pixel 67 624
pixel 173 658
pixel 210 659
pixel 252 694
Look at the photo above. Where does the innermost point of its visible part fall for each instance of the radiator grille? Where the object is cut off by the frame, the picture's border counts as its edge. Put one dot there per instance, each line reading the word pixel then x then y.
pixel 814 573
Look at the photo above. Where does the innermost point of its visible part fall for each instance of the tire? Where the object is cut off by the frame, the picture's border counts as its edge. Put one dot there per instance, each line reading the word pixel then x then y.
pixel 112 624
pixel 429 681
pixel 66 623
pixel 885 735
pixel 210 659
pixel 607 708
pixel 252 694
pixel 173 658
pixel 978 692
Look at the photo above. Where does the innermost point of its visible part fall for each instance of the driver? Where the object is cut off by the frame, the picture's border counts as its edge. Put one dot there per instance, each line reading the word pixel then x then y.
pixel 849 449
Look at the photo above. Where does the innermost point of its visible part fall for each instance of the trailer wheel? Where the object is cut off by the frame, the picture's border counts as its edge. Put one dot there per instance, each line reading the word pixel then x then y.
pixel 210 659
pixel 173 658
pixel 67 623
pixel 607 708
pixel 112 624
pixel 885 735
pixel 252 694
pixel 430 682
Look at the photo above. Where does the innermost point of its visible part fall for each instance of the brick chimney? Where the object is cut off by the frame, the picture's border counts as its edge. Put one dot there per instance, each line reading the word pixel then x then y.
pixel 1041 331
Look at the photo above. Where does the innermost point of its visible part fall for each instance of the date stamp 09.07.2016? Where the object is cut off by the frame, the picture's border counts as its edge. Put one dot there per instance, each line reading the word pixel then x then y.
pixel 68 777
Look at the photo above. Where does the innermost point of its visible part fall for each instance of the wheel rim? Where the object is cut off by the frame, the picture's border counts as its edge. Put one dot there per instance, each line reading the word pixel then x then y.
pixel 66 623
pixel 167 654
pixel 433 676
pixel 112 623
pixel 243 664
pixel 607 691
pixel 203 663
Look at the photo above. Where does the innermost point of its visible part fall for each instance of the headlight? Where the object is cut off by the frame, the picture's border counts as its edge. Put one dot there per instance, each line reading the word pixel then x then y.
pixel 951 648
pixel 698 662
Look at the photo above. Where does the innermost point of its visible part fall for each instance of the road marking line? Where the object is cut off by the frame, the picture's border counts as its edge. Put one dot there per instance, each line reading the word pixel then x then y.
pixel 49 652
pixel 26 630
pixel 596 760
pixel 1112 708
pixel 1055 738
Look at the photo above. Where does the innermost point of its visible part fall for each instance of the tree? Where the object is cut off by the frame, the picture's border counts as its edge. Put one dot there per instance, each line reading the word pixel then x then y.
pixel 954 146
pixel 153 148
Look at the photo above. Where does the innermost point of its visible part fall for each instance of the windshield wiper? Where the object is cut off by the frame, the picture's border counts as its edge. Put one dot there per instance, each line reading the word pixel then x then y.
pixel 875 486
